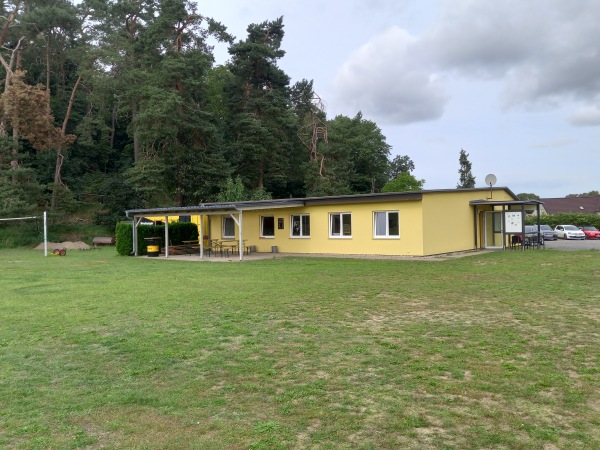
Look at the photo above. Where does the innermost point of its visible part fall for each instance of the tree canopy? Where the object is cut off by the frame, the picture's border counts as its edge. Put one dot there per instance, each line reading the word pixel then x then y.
pixel 466 180
pixel 404 182
pixel 117 105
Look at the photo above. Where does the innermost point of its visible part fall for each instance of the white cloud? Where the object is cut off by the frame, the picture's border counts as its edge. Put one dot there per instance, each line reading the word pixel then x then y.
pixel 555 143
pixel 541 49
pixel 389 79
pixel 586 116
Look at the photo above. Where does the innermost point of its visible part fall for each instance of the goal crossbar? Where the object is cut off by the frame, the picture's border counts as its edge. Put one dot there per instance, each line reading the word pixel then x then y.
pixel 18 218
pixel 33 217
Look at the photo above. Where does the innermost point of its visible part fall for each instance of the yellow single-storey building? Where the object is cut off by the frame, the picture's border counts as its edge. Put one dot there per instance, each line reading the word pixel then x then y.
pixel 419 223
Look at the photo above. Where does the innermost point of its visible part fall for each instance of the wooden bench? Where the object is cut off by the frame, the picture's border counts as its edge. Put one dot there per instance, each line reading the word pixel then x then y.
pixel 103 240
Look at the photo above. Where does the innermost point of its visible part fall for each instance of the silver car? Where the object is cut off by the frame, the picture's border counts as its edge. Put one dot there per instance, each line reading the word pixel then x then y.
pixel 533 236
pixel 569 232
pixel 548 233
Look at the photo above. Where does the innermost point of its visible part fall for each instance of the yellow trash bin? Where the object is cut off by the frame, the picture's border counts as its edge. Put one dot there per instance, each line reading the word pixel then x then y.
pixel 152 246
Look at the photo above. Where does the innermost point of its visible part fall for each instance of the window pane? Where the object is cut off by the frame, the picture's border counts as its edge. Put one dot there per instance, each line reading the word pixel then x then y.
pixel 335 225
pixel 228 227
pixel 394 224
pixel 380 224
pixel 268 226
pixel 347 219
pixel 295 225
pixel 305 225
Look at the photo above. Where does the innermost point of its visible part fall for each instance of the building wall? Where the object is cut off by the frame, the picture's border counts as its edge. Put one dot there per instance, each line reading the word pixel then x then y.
pixel 442 222
pixel 361 242
pixel 448 221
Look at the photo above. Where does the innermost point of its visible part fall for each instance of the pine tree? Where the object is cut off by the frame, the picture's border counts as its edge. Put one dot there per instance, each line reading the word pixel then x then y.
pixel 358 153
pixel 158 52
pixel 261 126
pixel 467 180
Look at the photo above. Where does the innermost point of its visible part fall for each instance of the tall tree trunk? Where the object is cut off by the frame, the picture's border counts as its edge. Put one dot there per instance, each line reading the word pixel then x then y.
pixel 260 175
pixel 9 71
pixel 113 125
pixel 48 107
pixel 9 21
pixel 59 151
pixel 14 163
pixel 16 53
pixel 136 139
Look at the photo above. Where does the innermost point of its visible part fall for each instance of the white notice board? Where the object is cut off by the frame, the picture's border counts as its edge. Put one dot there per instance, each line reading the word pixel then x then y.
pixel 513 221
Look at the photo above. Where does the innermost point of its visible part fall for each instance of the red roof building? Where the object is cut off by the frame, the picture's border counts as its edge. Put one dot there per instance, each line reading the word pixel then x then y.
pixel 586 205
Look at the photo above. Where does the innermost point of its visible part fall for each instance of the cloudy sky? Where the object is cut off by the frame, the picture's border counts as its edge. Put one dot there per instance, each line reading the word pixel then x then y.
pixel 514 83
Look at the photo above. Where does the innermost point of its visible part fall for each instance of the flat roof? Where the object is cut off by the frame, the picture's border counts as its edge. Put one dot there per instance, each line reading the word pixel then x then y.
pixel 506 202
pixel 230 207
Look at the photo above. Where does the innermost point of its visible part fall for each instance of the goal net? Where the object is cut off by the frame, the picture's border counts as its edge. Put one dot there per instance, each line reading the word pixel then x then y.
pixel 8 219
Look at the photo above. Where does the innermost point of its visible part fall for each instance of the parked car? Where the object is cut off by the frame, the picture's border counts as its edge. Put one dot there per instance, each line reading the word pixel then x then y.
pixel 569 232
pixel 548 233
pixel 532 234
pixel 590 232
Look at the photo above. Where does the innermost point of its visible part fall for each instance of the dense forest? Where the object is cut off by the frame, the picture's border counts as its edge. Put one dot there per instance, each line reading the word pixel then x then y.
pixel 118 104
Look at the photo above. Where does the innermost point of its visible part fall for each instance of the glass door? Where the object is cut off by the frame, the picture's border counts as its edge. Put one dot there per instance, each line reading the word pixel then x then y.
pixel 492 230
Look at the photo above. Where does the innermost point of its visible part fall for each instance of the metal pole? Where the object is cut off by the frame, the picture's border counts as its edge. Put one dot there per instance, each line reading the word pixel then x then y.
pixel 523 228
pixel 201 239
pixel 45 235
pixel 241 238
pixel 166 237
pixel 135 223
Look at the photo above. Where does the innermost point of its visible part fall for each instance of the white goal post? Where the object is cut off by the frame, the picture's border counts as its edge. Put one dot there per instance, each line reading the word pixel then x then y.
pixel 34 217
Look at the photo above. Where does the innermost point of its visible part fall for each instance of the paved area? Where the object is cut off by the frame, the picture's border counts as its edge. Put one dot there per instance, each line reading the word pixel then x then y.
pixel 570 245
pixel 261 256
pixel 561 244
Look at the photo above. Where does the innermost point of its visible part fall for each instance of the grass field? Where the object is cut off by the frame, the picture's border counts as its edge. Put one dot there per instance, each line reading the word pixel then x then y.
pixel 499 350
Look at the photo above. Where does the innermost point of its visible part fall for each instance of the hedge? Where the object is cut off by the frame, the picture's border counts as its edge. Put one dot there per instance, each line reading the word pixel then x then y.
pixel 178 232
pixel 577 219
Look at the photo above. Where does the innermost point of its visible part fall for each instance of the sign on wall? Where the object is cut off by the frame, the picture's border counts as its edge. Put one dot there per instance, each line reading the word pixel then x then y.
pixel 513 221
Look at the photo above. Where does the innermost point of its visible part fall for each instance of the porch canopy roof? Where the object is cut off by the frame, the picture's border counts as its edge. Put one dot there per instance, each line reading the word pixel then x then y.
pixel 521 203
pixel 233 209
pixel 510 205
pixel 214 208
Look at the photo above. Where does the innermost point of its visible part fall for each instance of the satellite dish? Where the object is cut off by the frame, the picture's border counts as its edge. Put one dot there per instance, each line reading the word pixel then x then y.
pixel 490 180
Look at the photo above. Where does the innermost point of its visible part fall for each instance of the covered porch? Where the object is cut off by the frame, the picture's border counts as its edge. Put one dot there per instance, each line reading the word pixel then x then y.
pixel 235 211
pixel 497 224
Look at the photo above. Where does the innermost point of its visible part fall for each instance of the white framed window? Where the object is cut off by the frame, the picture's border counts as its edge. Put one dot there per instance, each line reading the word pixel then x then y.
pixel 228 227
pixel 386 224
pixel 267 226
pixel 340 225
pixel 300 225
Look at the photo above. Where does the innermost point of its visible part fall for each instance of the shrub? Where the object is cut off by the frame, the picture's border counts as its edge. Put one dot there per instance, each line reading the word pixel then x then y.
pixel 577 219
pixel 124 238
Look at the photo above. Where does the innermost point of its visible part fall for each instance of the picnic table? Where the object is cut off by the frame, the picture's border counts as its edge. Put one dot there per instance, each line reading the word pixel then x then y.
pixel 191 246
pixel 234 246
pixel 222 247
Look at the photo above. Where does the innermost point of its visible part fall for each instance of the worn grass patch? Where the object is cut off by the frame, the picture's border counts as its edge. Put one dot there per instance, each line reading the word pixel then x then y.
pixel 500 350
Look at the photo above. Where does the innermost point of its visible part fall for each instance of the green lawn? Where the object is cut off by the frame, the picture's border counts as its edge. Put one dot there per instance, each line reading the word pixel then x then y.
pixel 500 350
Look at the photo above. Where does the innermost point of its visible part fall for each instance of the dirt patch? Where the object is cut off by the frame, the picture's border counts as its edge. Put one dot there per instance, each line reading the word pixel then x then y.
pixel 67 244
